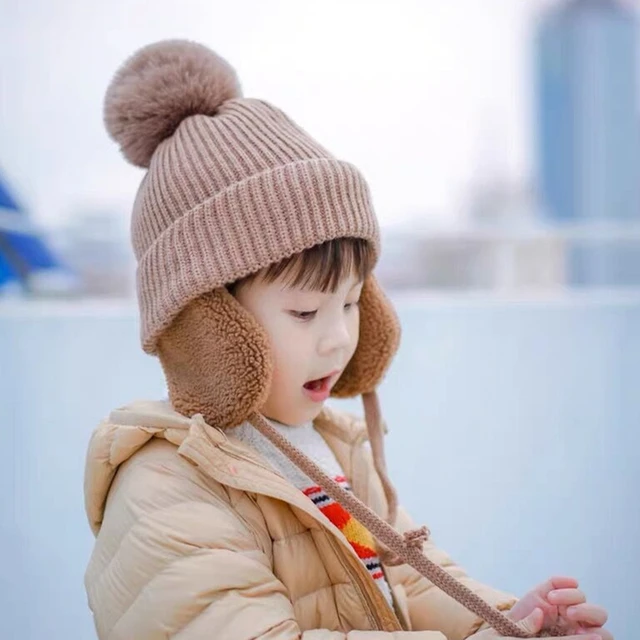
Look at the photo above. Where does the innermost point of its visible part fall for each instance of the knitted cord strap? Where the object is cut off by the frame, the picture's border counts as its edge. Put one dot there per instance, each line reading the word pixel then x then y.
pixel 373 420
pixel 404 547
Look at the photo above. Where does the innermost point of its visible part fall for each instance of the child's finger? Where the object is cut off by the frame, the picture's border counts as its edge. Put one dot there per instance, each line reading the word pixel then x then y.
pixel 566 597
pixel 589 614
pixel 602 633
pixel 595 634
pixel 563 582
pixel 556 582
pixel 533 622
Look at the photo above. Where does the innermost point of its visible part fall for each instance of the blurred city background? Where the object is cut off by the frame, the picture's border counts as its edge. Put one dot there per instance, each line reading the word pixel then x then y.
pixel 531 183
pixel 501 140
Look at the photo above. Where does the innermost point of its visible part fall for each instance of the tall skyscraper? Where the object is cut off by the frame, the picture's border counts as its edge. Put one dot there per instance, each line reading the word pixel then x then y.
pixel 588 133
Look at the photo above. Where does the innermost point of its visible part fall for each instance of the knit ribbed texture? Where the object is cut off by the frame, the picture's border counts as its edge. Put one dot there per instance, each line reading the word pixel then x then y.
pixel 230 194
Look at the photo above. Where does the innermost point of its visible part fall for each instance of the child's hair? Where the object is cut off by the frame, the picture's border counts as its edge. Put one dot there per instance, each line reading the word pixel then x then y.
pixel 320 268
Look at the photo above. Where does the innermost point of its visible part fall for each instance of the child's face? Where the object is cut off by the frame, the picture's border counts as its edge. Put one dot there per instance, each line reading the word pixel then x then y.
pixel 313 336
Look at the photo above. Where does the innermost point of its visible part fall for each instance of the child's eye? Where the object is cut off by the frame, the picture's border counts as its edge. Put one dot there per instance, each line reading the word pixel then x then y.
pixel 303 315
pixel 350 305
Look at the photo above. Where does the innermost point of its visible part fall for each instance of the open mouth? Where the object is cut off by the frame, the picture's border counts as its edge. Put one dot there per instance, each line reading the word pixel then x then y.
pixel 319 389
pixel 321 384
pixel 317 385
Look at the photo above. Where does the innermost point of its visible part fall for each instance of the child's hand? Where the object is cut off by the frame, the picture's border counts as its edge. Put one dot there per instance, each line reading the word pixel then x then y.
pixel 564 605
pixel 532 625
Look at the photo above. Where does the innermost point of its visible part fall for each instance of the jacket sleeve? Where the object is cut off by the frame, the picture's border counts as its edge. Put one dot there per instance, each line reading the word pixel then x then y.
pixel 429 607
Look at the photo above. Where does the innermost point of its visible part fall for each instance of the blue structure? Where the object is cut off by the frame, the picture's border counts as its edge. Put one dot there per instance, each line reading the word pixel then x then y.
pixel 24 255
pixel 588 142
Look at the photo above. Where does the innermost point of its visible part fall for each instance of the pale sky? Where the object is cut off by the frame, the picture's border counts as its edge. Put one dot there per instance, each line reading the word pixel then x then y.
pixel 421 95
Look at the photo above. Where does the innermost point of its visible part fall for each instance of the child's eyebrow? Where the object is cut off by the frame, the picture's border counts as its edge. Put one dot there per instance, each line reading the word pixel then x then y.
pixel 308 290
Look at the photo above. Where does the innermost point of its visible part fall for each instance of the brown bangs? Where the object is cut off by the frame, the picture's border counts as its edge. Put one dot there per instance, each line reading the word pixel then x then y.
pixel 322 267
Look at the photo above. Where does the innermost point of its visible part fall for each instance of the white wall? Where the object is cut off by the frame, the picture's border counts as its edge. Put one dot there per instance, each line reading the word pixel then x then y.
pixel 514 436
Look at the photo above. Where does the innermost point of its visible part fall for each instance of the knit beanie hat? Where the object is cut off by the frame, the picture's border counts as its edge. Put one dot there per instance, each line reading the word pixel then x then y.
pixel 232 185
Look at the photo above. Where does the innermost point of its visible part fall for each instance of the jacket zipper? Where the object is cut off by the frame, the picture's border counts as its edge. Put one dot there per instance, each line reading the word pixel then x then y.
pixel 356 578
pixel 359 585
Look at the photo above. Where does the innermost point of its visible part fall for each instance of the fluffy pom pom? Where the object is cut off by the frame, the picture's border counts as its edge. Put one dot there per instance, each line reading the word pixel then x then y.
pixel 158 87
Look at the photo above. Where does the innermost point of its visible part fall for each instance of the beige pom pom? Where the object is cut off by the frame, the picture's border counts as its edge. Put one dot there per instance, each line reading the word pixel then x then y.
pixel 158 87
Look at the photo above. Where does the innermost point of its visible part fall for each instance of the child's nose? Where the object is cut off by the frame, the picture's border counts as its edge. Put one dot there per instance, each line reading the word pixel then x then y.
pixel 337 337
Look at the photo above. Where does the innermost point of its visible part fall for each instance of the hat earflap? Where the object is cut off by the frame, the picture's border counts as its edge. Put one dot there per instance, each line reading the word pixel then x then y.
pixel 217 360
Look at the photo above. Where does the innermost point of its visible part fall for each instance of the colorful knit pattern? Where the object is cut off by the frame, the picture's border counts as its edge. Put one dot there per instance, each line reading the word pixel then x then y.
pixel 356 534
pixel 308 440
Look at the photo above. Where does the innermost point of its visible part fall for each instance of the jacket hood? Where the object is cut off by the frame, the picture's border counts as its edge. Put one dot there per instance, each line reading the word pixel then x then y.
pixel 117 438
pixel 127 429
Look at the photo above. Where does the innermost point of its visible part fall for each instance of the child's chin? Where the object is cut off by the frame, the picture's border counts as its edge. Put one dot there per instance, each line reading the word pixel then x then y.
pixel 296 418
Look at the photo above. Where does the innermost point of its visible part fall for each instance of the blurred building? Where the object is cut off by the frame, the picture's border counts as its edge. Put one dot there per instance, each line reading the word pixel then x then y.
pixel 588 135
pixel 499 243
pixel 28 265
pixel 525 252
pixel 469 256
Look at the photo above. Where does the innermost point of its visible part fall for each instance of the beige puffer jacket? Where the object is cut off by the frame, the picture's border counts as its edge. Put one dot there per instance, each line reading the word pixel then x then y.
pixel 197 538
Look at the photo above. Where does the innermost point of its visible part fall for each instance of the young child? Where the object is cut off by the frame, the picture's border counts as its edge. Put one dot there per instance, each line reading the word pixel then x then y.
pixel 255 251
